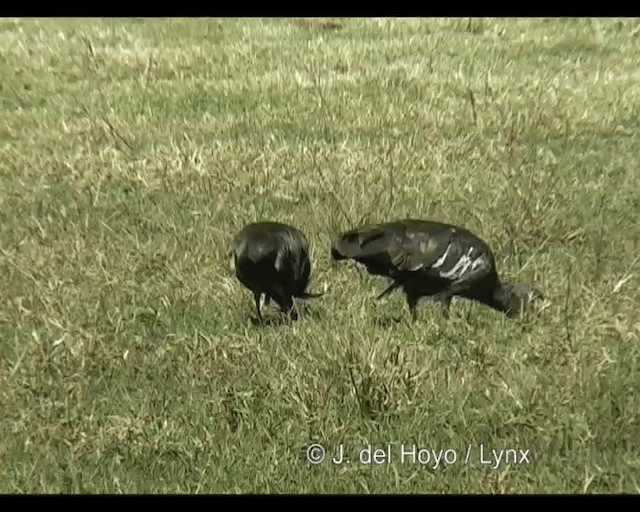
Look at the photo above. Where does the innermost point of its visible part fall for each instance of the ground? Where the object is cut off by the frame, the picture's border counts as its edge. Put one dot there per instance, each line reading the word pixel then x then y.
pixel 132 150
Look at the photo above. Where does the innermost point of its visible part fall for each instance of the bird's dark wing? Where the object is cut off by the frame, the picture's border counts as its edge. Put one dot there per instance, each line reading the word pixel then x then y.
pixel 413 249
pixel 292 252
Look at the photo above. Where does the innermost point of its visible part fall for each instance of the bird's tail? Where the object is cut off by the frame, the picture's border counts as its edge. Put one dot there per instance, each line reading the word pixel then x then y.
pixel 361 242
pixel 392 287
pixel 309 295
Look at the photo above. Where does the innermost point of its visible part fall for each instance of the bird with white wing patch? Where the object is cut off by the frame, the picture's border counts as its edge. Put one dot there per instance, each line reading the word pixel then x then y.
pixel 434 260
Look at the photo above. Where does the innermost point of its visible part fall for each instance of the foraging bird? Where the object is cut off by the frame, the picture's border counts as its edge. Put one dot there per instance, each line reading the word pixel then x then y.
pixel 272 259
pixel 434 260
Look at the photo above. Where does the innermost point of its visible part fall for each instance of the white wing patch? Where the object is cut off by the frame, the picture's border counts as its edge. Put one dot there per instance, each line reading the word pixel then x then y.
pixel 441 259
pixel 464 266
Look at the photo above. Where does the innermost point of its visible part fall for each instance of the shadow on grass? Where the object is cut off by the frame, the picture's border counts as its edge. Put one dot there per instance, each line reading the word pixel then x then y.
pixel 301 312
pixel 275 321
pixel 388 321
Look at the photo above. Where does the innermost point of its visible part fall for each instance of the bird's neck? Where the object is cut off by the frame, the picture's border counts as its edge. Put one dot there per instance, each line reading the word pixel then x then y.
pixel 499 299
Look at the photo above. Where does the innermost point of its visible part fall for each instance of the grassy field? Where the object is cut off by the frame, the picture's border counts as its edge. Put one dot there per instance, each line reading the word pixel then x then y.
pixel 131 152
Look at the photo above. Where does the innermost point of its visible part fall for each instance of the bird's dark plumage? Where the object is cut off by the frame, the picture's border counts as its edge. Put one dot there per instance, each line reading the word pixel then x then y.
pixel 272 259
pixel 432 259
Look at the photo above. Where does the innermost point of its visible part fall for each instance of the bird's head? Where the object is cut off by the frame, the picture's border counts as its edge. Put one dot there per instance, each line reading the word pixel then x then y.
pixel 336 255
pixel 517 298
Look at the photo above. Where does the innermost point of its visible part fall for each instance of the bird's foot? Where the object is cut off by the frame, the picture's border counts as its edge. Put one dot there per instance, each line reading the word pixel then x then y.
pixel 258 321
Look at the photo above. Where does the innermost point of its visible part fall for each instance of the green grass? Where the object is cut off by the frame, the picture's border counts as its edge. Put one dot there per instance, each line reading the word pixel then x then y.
pixel 133 150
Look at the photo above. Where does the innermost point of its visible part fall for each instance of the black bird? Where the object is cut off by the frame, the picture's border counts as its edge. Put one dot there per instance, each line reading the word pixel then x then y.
pixel 434 260
pixel 271 258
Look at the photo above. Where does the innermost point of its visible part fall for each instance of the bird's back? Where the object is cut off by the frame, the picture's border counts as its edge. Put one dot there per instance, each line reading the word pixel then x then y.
pixel 270 251
pixel 429 258
pixel 439 251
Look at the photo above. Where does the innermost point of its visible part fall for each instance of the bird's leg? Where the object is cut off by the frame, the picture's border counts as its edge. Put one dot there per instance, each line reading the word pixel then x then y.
pixel 289 311
pixel 391 287
pixel 444 298
pixel 256 297
pixel 285 301
pixel 412 302
pixel 292 314
pixel 446 302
